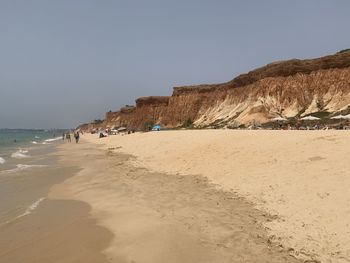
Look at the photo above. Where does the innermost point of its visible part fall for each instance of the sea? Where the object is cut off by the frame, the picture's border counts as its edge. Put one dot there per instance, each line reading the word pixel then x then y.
pixel 15 145
pixel 26 162
pixel 35 228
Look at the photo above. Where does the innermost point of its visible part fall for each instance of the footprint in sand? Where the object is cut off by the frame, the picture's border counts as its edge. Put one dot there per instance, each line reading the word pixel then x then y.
pixel 316 158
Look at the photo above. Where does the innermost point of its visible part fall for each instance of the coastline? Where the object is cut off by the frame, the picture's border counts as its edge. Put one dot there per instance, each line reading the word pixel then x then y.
pixel 36 229
pixel 189 196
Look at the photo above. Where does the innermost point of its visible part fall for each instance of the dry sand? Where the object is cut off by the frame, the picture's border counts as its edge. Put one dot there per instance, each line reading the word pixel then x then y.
pixel 301 178
pixel 157 217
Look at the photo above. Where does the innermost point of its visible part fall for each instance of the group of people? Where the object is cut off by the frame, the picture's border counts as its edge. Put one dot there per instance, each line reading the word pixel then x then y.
pixel 67 136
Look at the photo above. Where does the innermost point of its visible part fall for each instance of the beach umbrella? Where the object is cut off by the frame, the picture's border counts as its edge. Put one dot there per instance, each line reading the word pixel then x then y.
pixel 310 118
pixel 121 129
pixel 339 117
pixel 347 117
pixel 279 118
pixel 156 128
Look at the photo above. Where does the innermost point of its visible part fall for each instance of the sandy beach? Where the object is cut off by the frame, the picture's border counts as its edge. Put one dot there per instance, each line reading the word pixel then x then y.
pixel 160 217
pixel 216 195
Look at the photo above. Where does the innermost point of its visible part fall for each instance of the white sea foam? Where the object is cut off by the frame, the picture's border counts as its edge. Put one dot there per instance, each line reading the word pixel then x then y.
pixel 2 160
pixel 20 154
pixel 53 139
pixel 28 211
pixel 34 142
pixel 36 137
pixel 31 208
pixel 21 167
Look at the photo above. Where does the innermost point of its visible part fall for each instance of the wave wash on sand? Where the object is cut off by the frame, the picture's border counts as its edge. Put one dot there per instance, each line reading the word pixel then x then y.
pixel 20 154
pixel 21 167
pixel 298 177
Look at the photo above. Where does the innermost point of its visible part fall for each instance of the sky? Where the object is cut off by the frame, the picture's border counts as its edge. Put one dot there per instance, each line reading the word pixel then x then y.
pixel 65 62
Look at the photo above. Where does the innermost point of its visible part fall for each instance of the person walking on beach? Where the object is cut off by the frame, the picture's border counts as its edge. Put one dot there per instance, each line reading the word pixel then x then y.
pixel 68 137
pixel 63 136
pixel 76 136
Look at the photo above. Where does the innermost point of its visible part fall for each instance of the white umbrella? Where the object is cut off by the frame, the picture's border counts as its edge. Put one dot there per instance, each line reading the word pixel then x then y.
pixel 122 129
pixel 279 118
pixel 338 117
pixel 310 118
pixel 347 117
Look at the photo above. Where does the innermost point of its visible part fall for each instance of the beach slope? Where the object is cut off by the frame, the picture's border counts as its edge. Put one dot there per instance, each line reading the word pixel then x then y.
pixel 299 178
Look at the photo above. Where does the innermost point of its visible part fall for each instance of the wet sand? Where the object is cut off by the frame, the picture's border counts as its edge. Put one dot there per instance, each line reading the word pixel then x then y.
pixel 158 217
pixel 35 229
pixel 58 231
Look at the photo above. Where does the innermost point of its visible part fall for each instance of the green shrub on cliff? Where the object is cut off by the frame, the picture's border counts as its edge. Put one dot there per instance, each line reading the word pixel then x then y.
pixel 344 50
pixel 188 123
pixel 98 121
pixel 148 125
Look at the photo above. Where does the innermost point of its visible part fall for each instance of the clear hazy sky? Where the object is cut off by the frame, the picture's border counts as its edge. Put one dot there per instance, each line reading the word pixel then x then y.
pixel 63 62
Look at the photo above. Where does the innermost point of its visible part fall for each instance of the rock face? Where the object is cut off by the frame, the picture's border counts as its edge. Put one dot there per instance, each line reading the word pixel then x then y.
pixel 291 96
pixel 289 88
pixel 149 111
pixel 123 117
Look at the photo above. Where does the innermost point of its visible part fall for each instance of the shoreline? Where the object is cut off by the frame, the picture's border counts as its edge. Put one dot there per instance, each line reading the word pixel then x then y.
pixel 193 196
pixel 37 229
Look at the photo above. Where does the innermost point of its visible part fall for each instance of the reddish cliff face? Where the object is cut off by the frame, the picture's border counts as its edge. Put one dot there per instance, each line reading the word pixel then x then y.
pixel 123 117
pixel 149 111
pixel 297 95
pixel 287 88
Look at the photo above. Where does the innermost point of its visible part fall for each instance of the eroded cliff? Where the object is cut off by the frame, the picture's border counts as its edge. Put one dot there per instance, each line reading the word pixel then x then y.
pixel 289 88
pixel 123 117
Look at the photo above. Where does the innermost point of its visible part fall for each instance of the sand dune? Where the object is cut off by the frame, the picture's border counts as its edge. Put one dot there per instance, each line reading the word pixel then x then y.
pixel 300 177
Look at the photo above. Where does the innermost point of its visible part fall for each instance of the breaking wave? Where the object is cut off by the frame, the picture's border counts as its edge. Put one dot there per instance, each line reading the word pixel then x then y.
pixel 2 160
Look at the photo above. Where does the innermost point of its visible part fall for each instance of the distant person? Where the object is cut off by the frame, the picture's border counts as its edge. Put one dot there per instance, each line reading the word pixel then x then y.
pixel 68 137
pixel 63 136
pixel 76 136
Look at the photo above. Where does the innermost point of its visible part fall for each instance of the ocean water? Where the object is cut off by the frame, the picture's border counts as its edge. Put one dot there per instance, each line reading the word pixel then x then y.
pixel 15 145
pixel 31 223
pixel 27 170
